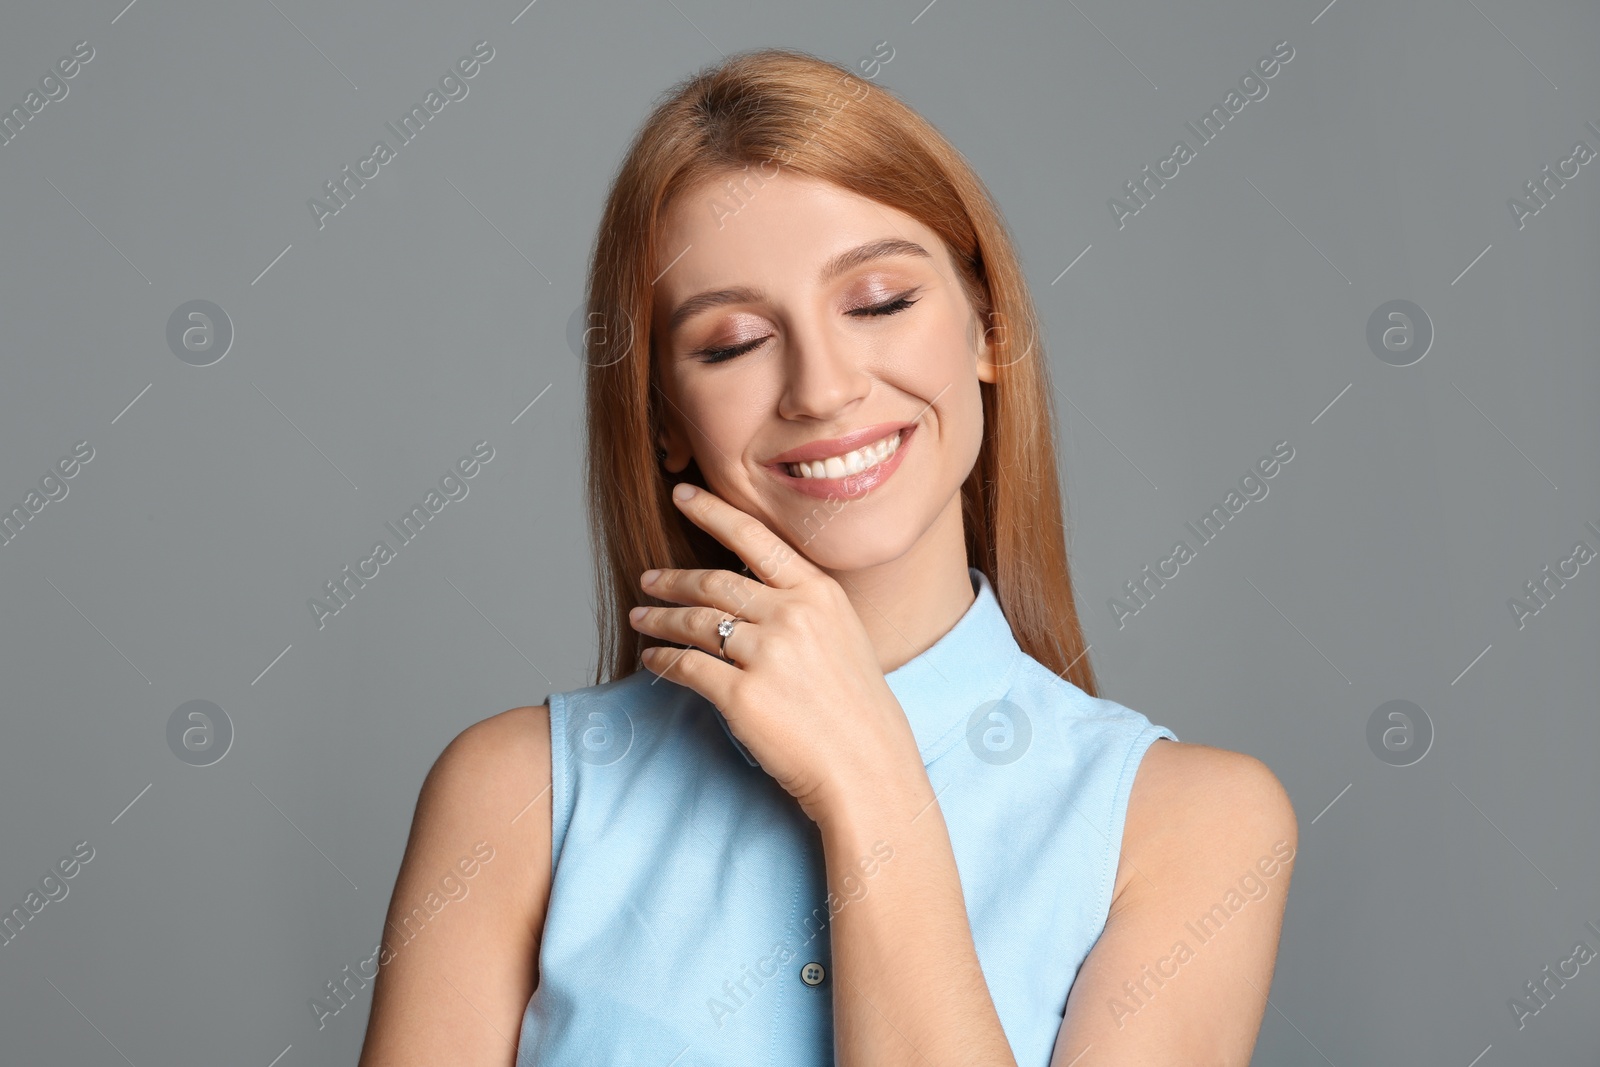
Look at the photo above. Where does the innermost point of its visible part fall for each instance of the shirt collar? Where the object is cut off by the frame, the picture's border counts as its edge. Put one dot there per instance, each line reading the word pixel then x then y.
pixel 943 687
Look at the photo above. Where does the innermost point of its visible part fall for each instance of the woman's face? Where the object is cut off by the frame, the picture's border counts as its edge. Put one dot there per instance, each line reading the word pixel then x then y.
pixel 766 342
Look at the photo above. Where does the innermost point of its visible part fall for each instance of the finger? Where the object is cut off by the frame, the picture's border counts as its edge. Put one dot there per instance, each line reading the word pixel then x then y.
pixel 707 675
pixel 733 594
pixel 764 552
pixel 688 626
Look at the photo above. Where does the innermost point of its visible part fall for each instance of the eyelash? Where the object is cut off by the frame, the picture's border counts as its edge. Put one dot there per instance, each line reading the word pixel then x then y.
pixel 892 307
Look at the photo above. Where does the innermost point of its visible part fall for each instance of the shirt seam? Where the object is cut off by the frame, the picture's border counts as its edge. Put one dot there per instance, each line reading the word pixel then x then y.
pixel 560 784
pixel 777 1007
pixel 1119 804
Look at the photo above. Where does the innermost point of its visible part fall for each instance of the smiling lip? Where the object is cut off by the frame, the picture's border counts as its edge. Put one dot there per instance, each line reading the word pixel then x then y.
pixel 850 485
pixel 838 446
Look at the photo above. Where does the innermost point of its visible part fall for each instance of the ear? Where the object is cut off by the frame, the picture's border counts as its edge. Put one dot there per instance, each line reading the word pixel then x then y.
pixel 987 371
pixel 987 343
pixel 677 452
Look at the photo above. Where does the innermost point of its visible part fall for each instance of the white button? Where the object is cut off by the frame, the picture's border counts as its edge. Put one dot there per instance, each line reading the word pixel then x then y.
pixel 811 974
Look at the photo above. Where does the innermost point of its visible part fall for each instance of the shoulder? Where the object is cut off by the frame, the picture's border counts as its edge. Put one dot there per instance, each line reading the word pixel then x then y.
pixel 521 730
pixel 1197 814
pixel 1209 842
pixel 492 769
pixel 491 785
pixel 481 829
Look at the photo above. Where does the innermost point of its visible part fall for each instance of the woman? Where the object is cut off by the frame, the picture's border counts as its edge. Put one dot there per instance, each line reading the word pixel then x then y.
pixel 862 805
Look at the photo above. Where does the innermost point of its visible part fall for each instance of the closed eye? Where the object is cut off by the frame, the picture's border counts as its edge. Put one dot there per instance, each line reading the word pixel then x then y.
pixel 898 304
pixel 892 307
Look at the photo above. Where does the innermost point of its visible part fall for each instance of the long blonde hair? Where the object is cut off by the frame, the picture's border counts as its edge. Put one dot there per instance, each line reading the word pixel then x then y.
pixel 772 108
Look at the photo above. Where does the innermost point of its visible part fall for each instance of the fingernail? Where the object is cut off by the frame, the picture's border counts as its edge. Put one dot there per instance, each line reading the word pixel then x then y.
pixel 682 491
pixel 636 614
pixel 649 576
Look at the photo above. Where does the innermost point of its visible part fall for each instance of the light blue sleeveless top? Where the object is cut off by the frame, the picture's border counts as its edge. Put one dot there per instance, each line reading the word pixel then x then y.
pixel 688 921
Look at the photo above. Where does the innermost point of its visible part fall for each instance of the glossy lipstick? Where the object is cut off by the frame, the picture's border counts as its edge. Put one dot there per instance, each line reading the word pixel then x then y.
pixel 850 485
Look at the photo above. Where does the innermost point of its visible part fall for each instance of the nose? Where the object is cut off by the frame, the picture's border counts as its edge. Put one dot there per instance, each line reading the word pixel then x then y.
pixel 824 375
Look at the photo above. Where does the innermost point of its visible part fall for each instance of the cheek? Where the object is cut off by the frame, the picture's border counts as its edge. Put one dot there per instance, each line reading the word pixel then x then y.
pixel 948 371
pixel 719 432
pixel 941 348
pixel 937 356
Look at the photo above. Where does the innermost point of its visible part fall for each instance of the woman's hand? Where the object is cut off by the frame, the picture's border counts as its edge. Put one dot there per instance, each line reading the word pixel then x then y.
pixel 804 691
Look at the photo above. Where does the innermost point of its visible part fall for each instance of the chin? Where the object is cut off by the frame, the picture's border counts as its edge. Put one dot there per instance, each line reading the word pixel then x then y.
pixel 834 543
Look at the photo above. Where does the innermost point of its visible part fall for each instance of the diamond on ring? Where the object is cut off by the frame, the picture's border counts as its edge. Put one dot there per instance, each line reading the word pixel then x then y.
pixel 724 628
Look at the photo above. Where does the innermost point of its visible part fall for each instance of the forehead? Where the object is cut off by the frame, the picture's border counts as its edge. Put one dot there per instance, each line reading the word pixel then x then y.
pixel 768 230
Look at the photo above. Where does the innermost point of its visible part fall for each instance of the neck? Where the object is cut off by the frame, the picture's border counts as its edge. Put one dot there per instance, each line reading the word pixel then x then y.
pixel 908 603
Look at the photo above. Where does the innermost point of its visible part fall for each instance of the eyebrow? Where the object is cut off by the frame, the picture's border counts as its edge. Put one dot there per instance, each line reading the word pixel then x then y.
pixel 839 264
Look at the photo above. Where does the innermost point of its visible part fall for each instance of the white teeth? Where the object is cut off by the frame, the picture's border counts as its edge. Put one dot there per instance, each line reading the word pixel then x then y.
pixel 849 463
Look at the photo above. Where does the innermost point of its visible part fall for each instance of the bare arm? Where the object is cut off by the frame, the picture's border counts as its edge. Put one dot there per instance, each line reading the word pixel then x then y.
pixel 1181 973
pixel 460 951
pixel 908 988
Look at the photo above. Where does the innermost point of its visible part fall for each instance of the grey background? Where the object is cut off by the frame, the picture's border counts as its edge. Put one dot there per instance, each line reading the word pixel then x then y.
pixel 1228 315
